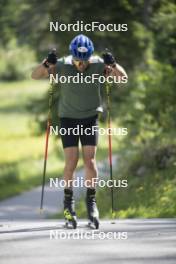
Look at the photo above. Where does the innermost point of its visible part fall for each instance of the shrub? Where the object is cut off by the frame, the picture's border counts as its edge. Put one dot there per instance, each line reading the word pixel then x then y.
pixel 16 61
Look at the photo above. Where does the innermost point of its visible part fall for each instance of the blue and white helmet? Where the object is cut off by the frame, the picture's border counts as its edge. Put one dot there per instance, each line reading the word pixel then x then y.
pixel 81 47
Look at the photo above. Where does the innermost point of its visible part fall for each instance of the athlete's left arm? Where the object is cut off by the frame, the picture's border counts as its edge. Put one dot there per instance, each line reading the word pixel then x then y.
pixel 112 68
pixel 117 71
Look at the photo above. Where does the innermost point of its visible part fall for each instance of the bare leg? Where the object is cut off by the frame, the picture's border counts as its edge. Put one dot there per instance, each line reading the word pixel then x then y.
pixel 71 160
pixel 89 153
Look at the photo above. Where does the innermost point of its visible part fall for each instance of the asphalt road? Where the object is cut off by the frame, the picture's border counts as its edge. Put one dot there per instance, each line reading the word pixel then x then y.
pixel 46 241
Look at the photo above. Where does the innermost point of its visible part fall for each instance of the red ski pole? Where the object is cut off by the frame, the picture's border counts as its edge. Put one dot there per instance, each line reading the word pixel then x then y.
pixel 45 162
pixel 46 148
pixel 110 146
pixel 47 142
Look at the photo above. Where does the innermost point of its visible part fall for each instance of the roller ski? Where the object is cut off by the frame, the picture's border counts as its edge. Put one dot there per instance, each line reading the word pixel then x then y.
pixel 92 210
pixel 69 210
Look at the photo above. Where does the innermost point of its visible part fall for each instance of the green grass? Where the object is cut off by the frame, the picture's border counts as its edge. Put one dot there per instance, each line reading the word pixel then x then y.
pixel 22 147
pixel 151 192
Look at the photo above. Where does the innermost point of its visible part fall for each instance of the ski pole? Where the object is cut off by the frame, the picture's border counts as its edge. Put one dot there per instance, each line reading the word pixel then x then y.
pixel 47 136
pixel 46 147
pixel 110 145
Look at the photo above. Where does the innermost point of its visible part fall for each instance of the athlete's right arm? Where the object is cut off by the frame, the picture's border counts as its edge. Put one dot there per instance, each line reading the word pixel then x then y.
pixel 48 66
pixel 40 72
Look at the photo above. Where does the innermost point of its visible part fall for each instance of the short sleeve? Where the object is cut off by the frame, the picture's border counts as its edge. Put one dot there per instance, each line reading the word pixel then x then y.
pixel 59 66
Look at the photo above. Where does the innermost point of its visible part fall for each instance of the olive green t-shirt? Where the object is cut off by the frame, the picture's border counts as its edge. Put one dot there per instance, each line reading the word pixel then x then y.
pixel 79 100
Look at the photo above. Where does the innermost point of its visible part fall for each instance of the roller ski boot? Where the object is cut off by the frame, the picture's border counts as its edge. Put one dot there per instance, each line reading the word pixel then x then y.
pixel 92 210
pixel 69 209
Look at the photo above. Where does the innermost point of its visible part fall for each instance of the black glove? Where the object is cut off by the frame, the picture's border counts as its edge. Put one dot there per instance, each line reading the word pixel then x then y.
pixel 51 58
pixel 108 58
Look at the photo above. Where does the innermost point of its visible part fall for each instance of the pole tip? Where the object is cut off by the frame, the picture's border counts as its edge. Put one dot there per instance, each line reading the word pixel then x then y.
pixel 41 211
pixel 113 217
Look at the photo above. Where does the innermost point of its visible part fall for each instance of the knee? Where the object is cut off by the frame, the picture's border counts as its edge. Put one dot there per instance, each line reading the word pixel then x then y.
pixel 90 164
pixel 71 164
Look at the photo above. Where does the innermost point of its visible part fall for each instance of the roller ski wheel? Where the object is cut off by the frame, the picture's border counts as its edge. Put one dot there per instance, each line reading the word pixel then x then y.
pixel 92 210
pixel 70 219
pixel 94 223
pixel 70 224
pixel 69 209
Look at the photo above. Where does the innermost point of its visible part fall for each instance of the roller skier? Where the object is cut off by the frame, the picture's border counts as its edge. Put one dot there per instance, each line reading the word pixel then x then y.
pixel 79 105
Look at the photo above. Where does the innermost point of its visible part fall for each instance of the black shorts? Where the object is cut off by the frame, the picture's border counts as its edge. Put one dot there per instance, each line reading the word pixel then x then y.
pixel 72 130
